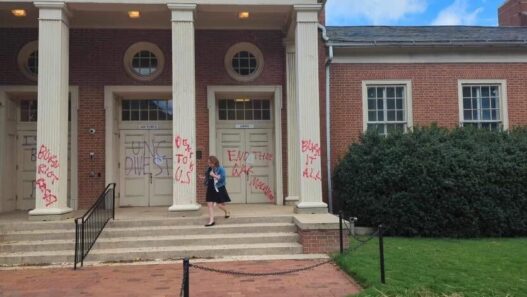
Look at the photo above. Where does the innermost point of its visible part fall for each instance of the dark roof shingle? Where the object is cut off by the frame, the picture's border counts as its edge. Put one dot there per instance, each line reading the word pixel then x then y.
pixel 453 35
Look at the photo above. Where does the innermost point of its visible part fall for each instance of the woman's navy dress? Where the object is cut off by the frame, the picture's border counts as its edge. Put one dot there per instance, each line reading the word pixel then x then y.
pixel 212 196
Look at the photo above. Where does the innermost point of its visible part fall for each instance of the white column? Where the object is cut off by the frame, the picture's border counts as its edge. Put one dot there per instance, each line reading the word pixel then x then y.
pixel 306 49
pixel 184 108
pixel 293 158
pixel 52 125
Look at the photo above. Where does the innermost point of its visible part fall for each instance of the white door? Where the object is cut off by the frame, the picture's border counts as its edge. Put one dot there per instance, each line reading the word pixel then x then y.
pixel 146 167
pixel 248 158
pixel 27 150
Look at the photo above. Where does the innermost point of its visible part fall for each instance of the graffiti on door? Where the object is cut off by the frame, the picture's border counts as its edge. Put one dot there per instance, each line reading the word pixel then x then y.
pixel 145 158
pixel 243 165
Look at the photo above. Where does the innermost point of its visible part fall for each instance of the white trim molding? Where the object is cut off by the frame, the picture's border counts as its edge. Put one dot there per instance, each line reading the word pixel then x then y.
pixel 504 104
pixel 409 100
pixel 276 92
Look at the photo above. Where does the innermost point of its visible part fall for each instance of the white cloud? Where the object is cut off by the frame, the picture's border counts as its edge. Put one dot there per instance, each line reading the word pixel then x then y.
pixel 457 14
pixel 376 11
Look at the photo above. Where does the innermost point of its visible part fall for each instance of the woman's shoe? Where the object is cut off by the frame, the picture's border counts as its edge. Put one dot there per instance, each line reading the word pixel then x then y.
pixel 227 214
pixel 210 224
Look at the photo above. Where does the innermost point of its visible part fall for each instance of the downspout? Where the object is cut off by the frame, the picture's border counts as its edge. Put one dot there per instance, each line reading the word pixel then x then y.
pixel 329 60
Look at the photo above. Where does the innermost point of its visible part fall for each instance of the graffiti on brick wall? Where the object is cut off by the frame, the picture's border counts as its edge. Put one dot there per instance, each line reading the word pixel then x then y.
pixel 145 158
pixel 243 161
pixel 311 152
pixel 184 154
pixel 47 167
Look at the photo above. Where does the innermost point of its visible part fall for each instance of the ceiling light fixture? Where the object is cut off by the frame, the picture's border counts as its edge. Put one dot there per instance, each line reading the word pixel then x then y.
pixel 243 15
pixel 134 14
pixel 19 12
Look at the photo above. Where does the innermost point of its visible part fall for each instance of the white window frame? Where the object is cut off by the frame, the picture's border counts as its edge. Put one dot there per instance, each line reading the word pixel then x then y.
pixel 248 47
pixel 408 93
pixel 23 57
pixel 135 49
pixel 504 111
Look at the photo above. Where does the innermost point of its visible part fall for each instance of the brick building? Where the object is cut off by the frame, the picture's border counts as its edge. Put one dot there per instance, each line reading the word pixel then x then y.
pixel 140 93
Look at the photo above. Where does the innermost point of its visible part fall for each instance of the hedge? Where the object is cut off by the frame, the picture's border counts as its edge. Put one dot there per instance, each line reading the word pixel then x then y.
pixel 437 182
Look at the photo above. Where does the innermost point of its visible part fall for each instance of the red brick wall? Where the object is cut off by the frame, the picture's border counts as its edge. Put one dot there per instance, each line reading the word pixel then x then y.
pixel 211 47
pixel 96 60
pixel 321 241
pixel 434 94
pixel 510 14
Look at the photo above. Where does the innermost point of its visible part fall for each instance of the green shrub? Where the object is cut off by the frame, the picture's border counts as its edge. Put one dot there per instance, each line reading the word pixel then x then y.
pixel 437 182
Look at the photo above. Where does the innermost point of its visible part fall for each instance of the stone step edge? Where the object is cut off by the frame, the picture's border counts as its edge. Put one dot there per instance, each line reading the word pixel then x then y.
pixel 119 229
pixel 172 262
pixel 152 238
pixel 155 249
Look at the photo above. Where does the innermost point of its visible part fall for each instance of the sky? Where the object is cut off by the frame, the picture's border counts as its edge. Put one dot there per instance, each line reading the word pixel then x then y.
pixel 412 12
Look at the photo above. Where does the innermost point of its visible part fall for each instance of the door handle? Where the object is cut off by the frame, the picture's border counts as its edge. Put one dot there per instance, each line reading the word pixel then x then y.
pixel 150 177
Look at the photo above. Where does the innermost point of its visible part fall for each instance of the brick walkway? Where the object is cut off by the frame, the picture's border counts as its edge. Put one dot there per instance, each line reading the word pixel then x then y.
pixel 165 280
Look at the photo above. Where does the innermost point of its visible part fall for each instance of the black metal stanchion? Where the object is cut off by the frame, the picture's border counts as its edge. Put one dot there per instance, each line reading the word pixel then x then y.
pixel 186 266
pixel 381 252
pixel 340 233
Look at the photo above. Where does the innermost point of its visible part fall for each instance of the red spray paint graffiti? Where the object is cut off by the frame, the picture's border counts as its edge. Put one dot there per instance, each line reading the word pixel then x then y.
pixel 184 159
pixel 48 162
pixel 258 184
pixel 311 152
pixel 241 158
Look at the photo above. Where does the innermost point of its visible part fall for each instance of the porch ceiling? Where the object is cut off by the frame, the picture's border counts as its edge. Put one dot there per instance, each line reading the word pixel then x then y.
pixel 154 16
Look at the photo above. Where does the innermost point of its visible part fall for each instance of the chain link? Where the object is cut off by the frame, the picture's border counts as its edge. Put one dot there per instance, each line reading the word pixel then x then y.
pixel 362 242
pixel 240 273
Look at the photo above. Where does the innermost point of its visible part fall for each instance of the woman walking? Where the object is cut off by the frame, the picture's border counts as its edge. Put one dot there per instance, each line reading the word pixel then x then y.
pixel 216 191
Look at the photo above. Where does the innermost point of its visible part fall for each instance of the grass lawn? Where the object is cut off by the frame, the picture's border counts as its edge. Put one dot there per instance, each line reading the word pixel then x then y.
pixel 441 267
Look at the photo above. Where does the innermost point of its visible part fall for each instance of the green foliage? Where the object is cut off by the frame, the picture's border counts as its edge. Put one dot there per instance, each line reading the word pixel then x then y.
pixel 431 267
pixel 437 182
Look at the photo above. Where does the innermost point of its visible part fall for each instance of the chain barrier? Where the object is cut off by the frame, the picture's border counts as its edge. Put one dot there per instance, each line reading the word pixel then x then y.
pixel 362 242
pixel 240 273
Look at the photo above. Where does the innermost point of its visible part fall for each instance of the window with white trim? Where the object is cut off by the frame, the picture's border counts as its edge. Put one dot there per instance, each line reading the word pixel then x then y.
pixel 144 61
pixel 146 110
pixel 387 107
pixel 482 106
pixel 244 109
pixel 244 62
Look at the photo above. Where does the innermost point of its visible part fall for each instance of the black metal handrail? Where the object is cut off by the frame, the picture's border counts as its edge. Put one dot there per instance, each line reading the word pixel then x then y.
pixel 90 225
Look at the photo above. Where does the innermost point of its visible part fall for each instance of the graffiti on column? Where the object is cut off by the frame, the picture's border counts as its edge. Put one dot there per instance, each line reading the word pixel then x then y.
pixel 242 161
pixel 47 165
pixel 184 160
pixel 145 158
pixel 311 152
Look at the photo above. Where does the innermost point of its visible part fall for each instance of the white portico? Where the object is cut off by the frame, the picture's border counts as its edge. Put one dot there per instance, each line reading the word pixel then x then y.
pixel 298 21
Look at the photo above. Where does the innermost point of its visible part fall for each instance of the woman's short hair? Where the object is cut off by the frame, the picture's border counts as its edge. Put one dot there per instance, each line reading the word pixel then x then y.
pixel 214 160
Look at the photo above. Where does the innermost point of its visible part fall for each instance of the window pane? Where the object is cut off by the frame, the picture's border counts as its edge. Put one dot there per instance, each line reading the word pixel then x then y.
pixel 380 92
pixel 239 114
pixel 494 91
pixel 371 104
pixel 390 104
pixel 223 114
pixel 231 115
pixel 372 116
pixel 390 92
pixel 257 104
pixel 258 115
pixel 466 92
pixel 399 92
pixel 485 91
pixel 380 104
pixel 466 104
pixel 266 115
pixel 399 103
pixel 485 103
pixel 391 116
pixel 400 115
pixel 467 115
pixel 380 116
pixel 266 104
pixel 248 114
pixel 372 93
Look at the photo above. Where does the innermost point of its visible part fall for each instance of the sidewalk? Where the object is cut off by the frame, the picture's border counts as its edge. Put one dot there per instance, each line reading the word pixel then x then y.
pixel 165 280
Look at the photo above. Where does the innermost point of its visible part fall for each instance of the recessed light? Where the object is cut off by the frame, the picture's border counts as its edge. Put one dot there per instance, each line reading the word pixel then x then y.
pixel 243 15
pixel 19 12
pixel 242 99
pixel 134 14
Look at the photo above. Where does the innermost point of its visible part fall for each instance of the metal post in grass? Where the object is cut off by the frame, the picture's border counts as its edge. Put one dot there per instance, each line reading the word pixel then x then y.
pixel 340 233
pixel 381 252
pixel 186 282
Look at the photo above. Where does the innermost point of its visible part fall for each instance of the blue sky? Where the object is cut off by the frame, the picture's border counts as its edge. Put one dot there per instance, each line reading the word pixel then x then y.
pixel 412 12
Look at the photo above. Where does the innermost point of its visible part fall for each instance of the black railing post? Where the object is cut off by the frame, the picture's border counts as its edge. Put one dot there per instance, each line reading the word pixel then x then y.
pixel 186 281
pixel 76 245
pixel 381 252
pixel 82 242
pixel 113 203
pixel 340 233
